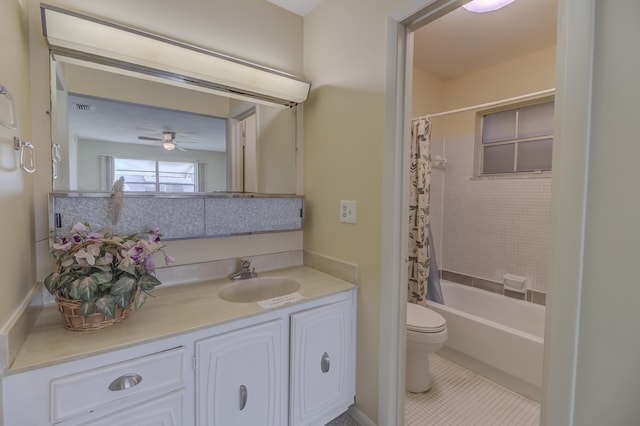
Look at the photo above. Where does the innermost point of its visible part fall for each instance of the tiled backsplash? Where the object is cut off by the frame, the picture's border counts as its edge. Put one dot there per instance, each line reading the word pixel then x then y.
pixel 180 217
pixel 534 296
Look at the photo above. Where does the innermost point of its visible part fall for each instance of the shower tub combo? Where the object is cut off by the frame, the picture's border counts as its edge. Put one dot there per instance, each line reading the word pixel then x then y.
pixel 498 337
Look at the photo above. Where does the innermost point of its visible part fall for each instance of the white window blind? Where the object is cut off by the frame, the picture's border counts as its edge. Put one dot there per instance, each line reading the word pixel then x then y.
pixel 156 176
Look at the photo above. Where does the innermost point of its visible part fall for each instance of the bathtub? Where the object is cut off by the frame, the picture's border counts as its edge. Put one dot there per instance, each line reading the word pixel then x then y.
pixel 498 337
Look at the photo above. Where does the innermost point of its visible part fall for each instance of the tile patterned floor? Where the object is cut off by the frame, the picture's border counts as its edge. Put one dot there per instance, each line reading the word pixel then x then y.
pixel 343 420
pixel 459 397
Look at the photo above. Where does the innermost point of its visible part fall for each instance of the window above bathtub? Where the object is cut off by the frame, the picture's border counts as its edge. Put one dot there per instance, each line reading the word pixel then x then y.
pixel 516 140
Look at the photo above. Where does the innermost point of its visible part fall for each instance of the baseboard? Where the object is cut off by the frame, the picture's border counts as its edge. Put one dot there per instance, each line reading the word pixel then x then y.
pixel 360 417
pixel 491 373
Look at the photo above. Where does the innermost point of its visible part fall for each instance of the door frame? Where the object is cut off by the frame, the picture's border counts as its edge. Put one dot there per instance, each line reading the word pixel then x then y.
pixel 574 65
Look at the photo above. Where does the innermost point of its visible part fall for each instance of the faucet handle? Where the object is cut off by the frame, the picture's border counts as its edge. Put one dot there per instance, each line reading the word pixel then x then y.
pixel 246 264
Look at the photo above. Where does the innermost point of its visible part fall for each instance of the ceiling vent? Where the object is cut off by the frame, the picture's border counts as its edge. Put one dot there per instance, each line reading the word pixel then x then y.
pixel 85 107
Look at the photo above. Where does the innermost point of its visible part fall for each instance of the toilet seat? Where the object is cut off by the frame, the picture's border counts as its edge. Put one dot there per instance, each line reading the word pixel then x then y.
pixel 423 320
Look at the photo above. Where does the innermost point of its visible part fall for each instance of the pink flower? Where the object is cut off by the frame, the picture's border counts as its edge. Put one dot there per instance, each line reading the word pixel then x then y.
pixel 95 236
pixel 154 230
pixel 168 260
pixel 148 263
pixel 79 228
pixel 62 244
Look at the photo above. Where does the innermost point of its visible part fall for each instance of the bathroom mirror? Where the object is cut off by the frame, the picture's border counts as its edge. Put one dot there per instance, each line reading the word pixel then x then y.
pixel 163 136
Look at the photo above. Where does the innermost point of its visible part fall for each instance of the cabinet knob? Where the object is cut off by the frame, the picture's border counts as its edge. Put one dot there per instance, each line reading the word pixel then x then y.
pixel 325 363
pixel 125 381
pixel 243 396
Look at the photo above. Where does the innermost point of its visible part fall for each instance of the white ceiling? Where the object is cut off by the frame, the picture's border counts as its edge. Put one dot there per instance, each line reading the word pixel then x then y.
pixel 114 121
pixel 299 7
pixel 463 41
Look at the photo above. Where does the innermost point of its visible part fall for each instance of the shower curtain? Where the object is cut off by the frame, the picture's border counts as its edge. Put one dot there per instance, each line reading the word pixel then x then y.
pixel 423 280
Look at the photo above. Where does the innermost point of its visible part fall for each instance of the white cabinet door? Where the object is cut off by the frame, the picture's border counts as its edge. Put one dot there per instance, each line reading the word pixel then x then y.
pixel 321 363
pixel 240 379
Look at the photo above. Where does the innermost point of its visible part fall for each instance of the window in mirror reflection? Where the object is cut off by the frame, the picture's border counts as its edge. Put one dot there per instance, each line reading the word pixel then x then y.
pixel 156 176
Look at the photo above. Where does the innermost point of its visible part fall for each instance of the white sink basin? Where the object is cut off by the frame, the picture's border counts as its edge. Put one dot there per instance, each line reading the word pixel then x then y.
pixel 257 289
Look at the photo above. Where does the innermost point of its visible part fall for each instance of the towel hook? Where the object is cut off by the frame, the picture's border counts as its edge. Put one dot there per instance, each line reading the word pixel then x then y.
pixel 27 154
pixel 11 124
pixel 55 159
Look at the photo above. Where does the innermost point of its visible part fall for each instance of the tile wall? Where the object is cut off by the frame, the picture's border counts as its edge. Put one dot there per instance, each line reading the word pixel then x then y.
pixel 487 227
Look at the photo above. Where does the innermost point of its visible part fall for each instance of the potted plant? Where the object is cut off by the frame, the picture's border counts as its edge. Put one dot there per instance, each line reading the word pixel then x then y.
pixel 101 275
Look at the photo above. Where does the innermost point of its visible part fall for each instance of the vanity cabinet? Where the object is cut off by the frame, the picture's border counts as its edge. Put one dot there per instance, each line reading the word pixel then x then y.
pixel 322 351
pixel 239 377
pixel 293 365
pixel 145 390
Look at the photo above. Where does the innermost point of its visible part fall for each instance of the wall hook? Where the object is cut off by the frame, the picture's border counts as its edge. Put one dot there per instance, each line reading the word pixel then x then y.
pixel 55 159
pixel 27 154
pixel 11 124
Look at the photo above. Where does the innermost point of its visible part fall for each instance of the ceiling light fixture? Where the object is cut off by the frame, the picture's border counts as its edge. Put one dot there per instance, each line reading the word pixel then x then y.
pixel 84 37
pixel 169 146
pixel 481 6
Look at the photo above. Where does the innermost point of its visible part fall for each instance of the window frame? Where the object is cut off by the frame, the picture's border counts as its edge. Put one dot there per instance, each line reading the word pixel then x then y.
pixel 478 145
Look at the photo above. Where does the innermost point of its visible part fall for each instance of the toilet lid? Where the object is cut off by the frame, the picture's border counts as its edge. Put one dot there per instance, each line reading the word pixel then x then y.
pixel 424 320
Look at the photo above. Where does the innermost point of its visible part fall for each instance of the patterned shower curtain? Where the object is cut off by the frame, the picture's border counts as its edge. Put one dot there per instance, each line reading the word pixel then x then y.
pixel 420 187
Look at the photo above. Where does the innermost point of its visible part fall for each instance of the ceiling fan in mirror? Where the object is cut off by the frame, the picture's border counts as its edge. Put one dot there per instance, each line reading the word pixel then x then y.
pixel 168 140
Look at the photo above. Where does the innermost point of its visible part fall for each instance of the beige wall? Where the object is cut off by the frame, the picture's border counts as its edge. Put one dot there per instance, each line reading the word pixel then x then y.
pixel 427 93
pixel 344 133
pixel 16 187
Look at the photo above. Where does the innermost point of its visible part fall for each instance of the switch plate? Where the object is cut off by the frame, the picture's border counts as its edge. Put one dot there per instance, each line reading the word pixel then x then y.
pixel 347 211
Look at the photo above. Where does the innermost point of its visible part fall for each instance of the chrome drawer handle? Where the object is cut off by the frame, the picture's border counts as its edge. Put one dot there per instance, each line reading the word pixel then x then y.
pixel 243 396
pixel 125 381
pixel 325 363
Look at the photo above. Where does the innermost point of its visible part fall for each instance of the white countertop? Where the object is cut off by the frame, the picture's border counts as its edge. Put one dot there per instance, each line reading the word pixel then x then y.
pixel 173 311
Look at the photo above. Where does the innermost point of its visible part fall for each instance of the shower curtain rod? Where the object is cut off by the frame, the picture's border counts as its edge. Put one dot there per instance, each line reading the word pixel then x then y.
pixel 490 104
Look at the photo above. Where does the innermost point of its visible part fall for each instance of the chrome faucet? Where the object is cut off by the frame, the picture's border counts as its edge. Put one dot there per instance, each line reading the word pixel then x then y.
pixel 246 271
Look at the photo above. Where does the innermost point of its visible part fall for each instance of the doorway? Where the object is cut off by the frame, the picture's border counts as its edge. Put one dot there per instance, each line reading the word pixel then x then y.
pixel 572 117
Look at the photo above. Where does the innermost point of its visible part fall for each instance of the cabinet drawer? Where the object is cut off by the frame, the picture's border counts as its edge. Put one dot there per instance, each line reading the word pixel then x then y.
pixel 165 411
pixel 137 379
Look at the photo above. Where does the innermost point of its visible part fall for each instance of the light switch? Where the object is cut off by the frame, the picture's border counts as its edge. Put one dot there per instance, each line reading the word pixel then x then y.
pixel 347 211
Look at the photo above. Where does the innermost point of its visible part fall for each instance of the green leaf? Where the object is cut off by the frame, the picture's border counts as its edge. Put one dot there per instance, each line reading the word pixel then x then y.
pixel 87 308
pixel 104 268
pixel 123 300
pixel 124 285
pixel 105 287
pixel 87 287
pixel 72 290
pixel 103 276
pixel 107 306
pixel 148 282
pixel 51 282
pixel 141 297
pixel 130 268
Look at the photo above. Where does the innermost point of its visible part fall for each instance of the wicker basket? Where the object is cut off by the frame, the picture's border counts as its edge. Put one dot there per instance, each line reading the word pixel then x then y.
pixel 75 321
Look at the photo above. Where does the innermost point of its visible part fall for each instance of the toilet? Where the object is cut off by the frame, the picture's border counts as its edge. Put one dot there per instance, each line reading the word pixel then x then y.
pixel 426 332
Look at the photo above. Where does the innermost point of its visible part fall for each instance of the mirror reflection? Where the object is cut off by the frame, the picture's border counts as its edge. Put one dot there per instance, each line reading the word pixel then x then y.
pixel 162 137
